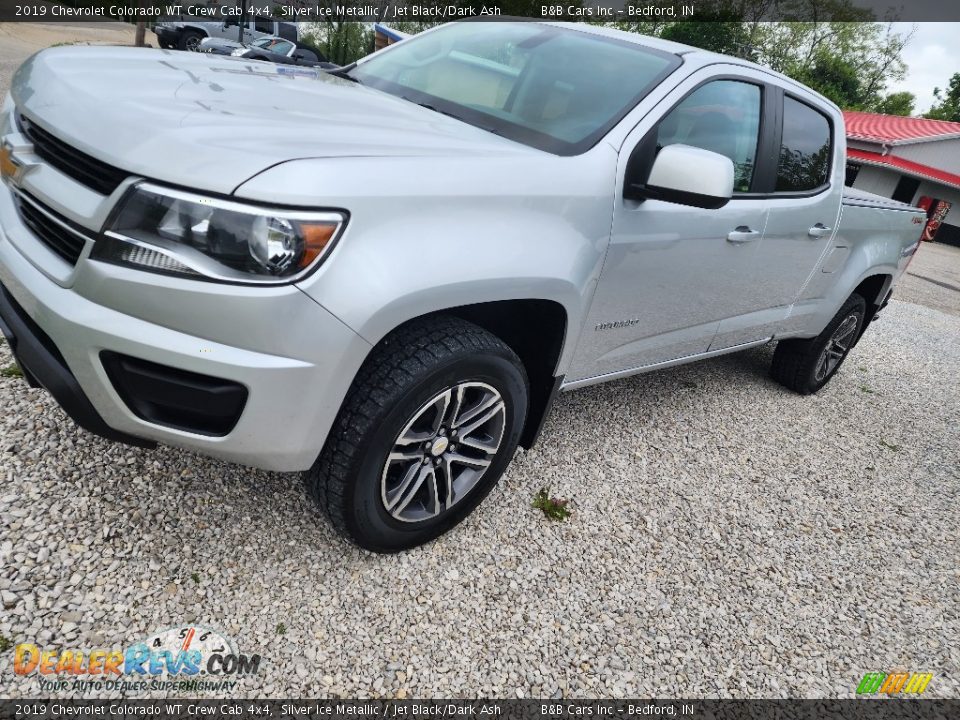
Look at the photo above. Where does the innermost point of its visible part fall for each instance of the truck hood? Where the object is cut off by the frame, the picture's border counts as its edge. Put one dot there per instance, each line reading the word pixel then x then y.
pixel 212 122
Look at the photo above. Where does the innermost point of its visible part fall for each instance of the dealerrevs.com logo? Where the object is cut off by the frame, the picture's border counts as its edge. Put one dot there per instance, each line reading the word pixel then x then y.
pixel 186 658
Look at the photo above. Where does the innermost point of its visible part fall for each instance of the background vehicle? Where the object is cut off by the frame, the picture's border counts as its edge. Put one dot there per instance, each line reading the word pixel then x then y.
pixel 270 48
pixel 383 277
pixel 188 34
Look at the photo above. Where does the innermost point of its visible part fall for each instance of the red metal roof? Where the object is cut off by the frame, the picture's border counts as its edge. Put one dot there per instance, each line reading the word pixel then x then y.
pixel 914 168
pixel 892 129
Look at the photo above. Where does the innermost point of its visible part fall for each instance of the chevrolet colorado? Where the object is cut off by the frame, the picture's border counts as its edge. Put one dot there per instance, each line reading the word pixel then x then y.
pixel 382 276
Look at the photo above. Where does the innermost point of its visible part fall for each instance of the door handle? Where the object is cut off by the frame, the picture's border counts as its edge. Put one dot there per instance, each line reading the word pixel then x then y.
pixel 818 231
pixel 742 234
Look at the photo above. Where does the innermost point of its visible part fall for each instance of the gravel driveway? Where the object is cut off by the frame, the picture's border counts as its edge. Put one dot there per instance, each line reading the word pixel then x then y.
pixel 728 538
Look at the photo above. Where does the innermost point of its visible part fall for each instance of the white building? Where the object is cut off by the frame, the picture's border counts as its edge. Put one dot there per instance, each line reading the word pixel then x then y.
pixel 914 160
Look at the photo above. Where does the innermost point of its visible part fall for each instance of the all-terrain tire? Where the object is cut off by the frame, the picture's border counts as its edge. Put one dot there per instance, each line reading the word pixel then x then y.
pixel 407 369
pixel 805 366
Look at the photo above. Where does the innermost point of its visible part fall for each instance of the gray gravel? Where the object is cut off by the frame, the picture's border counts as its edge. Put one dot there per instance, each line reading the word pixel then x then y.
pixel 728 539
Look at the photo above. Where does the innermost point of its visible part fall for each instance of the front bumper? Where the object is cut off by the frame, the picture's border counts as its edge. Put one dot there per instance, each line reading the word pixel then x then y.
pixel 295 359
pixel 44 366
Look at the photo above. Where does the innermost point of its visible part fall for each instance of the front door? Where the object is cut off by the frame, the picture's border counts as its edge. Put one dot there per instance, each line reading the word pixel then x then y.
pixel 674 272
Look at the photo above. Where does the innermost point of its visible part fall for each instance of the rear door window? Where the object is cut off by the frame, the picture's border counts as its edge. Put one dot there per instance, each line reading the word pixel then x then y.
pixel 805 150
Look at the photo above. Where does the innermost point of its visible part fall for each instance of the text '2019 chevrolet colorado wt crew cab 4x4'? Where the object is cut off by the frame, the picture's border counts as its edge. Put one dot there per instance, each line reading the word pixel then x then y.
pixel 382 276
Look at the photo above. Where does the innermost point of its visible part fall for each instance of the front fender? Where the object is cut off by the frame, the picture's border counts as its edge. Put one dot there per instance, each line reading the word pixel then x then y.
pixel 426 235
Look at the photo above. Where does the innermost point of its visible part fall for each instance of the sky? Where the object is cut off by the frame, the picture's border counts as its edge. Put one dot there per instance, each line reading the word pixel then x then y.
pixel 932 56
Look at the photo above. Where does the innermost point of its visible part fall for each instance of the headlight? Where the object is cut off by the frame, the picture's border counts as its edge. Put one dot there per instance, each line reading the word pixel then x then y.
pixel 237 52
pixel 175 232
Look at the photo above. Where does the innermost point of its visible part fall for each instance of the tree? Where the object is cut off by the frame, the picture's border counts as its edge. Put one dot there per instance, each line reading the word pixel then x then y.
pixel 947 106
pixel 898 103
pixel 835 78
pixel 831 45
pixel 340 41
pixel 720 36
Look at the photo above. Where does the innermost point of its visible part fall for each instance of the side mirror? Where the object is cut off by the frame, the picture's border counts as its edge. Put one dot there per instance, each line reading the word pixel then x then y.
pixel 687 175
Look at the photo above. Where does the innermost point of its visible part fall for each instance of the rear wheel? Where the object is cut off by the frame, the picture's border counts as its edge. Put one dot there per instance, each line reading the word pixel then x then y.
pixel 428 427
pixel 805 366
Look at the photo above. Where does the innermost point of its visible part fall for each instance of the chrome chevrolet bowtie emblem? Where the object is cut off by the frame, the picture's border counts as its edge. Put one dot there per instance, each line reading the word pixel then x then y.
pixel 10 169
pixel 13 168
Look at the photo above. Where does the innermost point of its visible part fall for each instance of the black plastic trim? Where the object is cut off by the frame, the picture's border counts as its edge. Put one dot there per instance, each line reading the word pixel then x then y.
pixel 531 432
pixel 176 398
pixel 87 170
pixel 680 197
pixel 43 365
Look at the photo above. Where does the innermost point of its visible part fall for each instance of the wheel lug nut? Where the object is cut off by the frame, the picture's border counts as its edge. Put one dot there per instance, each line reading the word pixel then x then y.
pixel 453 448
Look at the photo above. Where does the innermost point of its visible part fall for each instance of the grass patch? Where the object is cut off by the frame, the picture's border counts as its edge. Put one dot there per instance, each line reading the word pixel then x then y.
pixel 195 577
pixel 889 446
pixel 5 643
pixel 281 629
pixel 552 508
pixel 864 388
pixel 11 371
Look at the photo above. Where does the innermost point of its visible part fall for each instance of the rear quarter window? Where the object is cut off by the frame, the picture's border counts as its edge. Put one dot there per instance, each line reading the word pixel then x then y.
pixel 805 150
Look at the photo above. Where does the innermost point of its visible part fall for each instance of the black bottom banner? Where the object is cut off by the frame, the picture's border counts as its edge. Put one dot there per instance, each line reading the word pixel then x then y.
pixel 251 709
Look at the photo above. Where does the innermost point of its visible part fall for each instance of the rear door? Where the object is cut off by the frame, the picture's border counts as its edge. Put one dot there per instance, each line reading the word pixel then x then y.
pixel 803 198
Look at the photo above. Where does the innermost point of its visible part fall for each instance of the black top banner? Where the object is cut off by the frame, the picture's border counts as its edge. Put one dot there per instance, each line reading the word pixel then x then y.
pixel 252 709
pixel 387 11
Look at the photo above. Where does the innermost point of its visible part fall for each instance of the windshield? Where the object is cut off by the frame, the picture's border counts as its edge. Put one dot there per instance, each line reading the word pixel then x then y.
pixel 274 45
pixel 556 89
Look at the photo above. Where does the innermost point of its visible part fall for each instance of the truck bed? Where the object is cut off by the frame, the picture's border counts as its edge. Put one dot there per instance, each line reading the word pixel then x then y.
pixel 862 198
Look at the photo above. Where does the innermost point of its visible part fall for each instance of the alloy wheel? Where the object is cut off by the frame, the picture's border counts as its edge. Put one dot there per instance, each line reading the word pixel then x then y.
pixel 443 451
pixel 837 346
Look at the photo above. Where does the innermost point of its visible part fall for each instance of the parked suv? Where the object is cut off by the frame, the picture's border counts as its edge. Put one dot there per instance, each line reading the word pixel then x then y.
pixel 382 276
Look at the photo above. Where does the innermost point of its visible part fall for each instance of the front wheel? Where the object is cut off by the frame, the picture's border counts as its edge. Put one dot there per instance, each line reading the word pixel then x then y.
pixel 190 40
pixel 805 366
pixel 428 427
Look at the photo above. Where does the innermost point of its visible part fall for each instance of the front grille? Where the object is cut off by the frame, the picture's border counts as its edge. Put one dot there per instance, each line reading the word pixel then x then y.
pixel 89 171
pixel 51 228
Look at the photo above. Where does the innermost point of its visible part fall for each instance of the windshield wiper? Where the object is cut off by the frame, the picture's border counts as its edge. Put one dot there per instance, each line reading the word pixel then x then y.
pixel 435 109
pixel 341 72
pixel 428 106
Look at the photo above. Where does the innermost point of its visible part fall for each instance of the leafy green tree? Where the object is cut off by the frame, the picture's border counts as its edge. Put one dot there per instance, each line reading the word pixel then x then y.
pixel 835 78
pixel 722 36
pixel 341 42
pixel 898 103
pixel 832 45
pixel 947 106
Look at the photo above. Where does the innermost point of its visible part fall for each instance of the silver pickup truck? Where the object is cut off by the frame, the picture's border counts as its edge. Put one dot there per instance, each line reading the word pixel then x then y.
pixel 382 276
